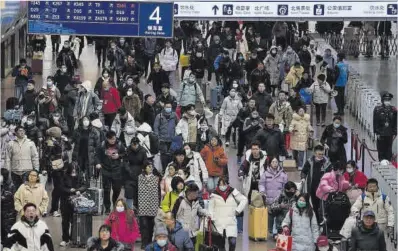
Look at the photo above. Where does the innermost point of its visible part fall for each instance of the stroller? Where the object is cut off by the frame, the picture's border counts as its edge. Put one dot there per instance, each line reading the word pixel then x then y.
pixel 335 210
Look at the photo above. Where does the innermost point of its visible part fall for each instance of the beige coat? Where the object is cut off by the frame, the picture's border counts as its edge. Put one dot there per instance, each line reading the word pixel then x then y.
pixel 300 129
pixel 22 156
pixel 36 195
pixel 283 114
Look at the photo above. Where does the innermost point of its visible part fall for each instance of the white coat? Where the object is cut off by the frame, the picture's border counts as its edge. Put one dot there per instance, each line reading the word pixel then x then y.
pixel 223 212
pixel 248 179
pixel 168 59
pixel 183 128
pixel 197 165
pixel 145 142
pixel 229 110
pixel 129 129
pixel 320 95
pixel 22 156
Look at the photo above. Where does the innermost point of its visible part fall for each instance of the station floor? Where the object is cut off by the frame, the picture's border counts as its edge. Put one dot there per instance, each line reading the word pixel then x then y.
pixel 379 73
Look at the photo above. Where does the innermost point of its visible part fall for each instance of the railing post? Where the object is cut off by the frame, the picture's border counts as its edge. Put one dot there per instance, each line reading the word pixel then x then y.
pixel 363 155
pixel 352 142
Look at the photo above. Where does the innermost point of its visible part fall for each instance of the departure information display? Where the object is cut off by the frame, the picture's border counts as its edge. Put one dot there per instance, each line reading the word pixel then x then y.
pixel 101 18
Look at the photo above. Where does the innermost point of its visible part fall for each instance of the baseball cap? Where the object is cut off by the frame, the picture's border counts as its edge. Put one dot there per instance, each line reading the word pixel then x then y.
pixel 369 213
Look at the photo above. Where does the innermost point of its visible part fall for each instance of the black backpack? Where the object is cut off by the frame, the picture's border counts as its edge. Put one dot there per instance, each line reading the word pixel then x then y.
pixel 154 143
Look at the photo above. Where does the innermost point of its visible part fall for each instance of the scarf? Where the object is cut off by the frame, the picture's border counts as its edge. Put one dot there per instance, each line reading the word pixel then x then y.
pixel 224 194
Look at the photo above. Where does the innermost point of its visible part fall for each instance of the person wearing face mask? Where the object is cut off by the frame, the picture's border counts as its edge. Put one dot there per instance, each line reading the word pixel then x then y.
pixel 301 225
pixel 356 178
pixel 229 110
pixel 332 182
pixel 161 241
pixel 158 77
pixel 320 91
pixel 28 228
pixel 67 57
pixel 123 224
pixel 164 98
pixel 148 202
pixel 305 58
pixel 251 64
pixel 22 74
pixel 213 51
pixel 111 102
pixel 105 76
pixel 73 183
pixel 124 126
pixel 168 59
pixel 272 63
pixel 116 57
pixel 205 133
pixel 132 103
pixel 87 102
pixel 124 45
pixel 289 58
pixel 282 111
pixel 238 69
pixel 32 131
pixel 313 170
pixel 191 92
pixel 281 205
pixel 164 128
pixel 198 65
pixel 57 120
pixel 250 127
pixel 229 43
pixel 86 140
pixel 28 101
pixel 225 204
pixel 132 68
pixel 52 92
pixel 187 126
pixel 385 126
pixel 62 78
pixel 197 168
pixel 334 137
pixel 263 100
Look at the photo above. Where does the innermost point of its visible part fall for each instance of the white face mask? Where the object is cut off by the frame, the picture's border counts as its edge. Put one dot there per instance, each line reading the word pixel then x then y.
pixel 86 123
pixel 192 112
pixel 29 122
pixel 387 103
pixel 49 83
pixel 56 118
pixel 235 85
pixel 188 152
pixel 120 209
pixel 350 170
pixel 129 82
pixel 129 93
pixel 204 127
pixel 223 188
pixel 63 69
pixel 105 75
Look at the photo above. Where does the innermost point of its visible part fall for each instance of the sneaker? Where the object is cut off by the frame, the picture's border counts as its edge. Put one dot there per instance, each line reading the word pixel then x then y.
pixel 239 161
pixel 323 124
pixel 318 124
pixel 227 144
pixel 64 244
pixel 56 214
pixel 107 211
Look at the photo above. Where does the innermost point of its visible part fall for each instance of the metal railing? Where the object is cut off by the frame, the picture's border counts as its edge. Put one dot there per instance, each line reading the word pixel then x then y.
pixel 367 45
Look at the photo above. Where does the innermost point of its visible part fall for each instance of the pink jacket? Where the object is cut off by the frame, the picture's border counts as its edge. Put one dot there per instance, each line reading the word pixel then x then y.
pixel 121 230
pixel 329 184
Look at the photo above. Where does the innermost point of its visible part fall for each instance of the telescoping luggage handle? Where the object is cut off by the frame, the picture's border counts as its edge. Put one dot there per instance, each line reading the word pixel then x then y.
pixel 97 177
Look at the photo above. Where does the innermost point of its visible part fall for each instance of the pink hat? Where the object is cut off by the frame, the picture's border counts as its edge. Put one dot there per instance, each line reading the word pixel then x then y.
pixel 322 241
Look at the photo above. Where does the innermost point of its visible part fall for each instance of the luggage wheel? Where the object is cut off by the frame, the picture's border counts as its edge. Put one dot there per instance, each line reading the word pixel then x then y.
pixel 257 239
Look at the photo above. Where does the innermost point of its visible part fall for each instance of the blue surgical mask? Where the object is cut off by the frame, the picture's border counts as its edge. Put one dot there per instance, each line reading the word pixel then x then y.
pixel 301 204
pixel 167 110
pixel 161 243
pixel 336 125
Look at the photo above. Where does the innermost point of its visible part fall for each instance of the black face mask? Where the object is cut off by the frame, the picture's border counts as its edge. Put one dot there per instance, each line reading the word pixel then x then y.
pixel 289 194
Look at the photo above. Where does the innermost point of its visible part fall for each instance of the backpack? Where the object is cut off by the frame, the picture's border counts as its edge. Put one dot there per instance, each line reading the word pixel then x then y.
pixel 154 143
pixel 331 73
pixel 183 87
pixel 176 144
pixel 383 196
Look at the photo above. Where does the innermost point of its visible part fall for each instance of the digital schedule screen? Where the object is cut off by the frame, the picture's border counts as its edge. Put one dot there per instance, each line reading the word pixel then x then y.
pixel 101 18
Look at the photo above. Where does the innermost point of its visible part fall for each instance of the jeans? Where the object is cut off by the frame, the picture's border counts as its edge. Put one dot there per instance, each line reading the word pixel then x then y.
pixel 17 180
pixel 57 176
pixel 67 217
pixel 299 158
pixel 129 203
pixel 108 183
pixel 212 183
pixel 228 134
pixel 146 228
pixel 20 89
pixel 240 223
pixel 231 243
pixel 271 224
pixel 340 99
pixel 320 108
pixel 148 59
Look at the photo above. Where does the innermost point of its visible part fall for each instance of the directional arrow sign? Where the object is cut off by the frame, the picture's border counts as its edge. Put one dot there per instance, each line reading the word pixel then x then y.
pixel 215 9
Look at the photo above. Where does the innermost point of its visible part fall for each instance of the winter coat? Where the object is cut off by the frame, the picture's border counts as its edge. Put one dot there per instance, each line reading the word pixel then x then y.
pixel 132 104
pixel 198 66
pixel 320 94
pixel 329 183
pixel 79 183
pixel 197 166
pixel 247 168
pixel 308 172
pixel 294 76
pixel 305 59
pixel 61 80
pixel 289 58
pixel 168 58
pixel 165 126
pixel 100 82
pixel 122 230
pixel 272 66
pixel 204 138
pixel 94 244
pixel 283 114
pixel 168 98
pixel 183 129
pixel 300 128
pixel 6 137
pixel 132 168
pixel 143 132
pixel 212 53
pixel 86 102
pixel 335 138
pixel 165 185
pixel 36 195
pixel 22 156
pixel 116 58
pixel 209 155
pixel 155 247
pixel 111 100
pixel 188 214
pixel 8 213
pixel 272 141
pixel 94 140
pixel 27 237
pixel 263 103
pixel 128 130
pixel 223 212
pixel 305 230
pixel 279 29
pixel 190 93
pixel 22 75
pixel 259 76
pixel 67 57
pixel 169 200
pixel 33 133
pixel 69 98
pixel 180 238
pixel 385 120
pixel 148 195
pixel 272 183
pixel 54 95
pixel 229 110
pixel 29 101
pixel 349 224
pixel 357 178
pixel 383 209
pixel 250 128
pixel 110 167
pixel 148 114
pixel 158 79
pixel 276 210
pixel 296 101
pixel 368 239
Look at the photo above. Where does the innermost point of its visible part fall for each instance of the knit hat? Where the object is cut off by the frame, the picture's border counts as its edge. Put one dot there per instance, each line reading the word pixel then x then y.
pixel 161 230
pixel 322 241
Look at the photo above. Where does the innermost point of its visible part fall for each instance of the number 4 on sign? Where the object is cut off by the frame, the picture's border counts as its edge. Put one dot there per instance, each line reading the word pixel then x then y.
pixel 155 16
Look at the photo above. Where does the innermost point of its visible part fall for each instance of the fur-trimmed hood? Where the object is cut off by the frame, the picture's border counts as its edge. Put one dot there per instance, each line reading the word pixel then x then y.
pixel 94 243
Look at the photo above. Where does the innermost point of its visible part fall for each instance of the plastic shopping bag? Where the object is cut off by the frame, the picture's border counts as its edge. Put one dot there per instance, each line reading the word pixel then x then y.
pixel 284 242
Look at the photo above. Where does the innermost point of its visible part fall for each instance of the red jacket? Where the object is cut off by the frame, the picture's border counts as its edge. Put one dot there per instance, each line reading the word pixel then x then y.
pixel 122 231
pixel 111 100
pixel 358 178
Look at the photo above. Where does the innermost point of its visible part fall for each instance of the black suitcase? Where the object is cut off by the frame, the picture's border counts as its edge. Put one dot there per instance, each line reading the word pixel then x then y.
pixel 82 230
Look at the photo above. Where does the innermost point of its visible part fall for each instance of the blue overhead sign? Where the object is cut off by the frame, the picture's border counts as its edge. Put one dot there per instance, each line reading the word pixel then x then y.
pixel 101 18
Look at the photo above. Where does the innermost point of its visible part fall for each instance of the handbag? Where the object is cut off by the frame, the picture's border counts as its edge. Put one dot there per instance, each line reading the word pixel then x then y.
pixel 57 164
pixel 211 236
pixel 284 242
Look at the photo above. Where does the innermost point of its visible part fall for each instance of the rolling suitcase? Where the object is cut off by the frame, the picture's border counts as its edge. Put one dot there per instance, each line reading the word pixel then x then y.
pixel 258 223
pixel 96 193
pixel 37 63
pixel 82 230
pixel 215 97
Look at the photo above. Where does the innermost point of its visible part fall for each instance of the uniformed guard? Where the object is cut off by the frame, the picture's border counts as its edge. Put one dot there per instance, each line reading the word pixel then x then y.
pixel 385 126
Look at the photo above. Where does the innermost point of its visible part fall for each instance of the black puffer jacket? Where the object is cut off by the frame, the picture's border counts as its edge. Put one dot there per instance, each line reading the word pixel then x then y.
pixel 263 103
pixel 94 140
pixel 8 213
pixel 132 168
pixel 111 168
pixel 94 244
pixel 368 239
pixel 33 133
pixel 272 141
pixel 29 101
